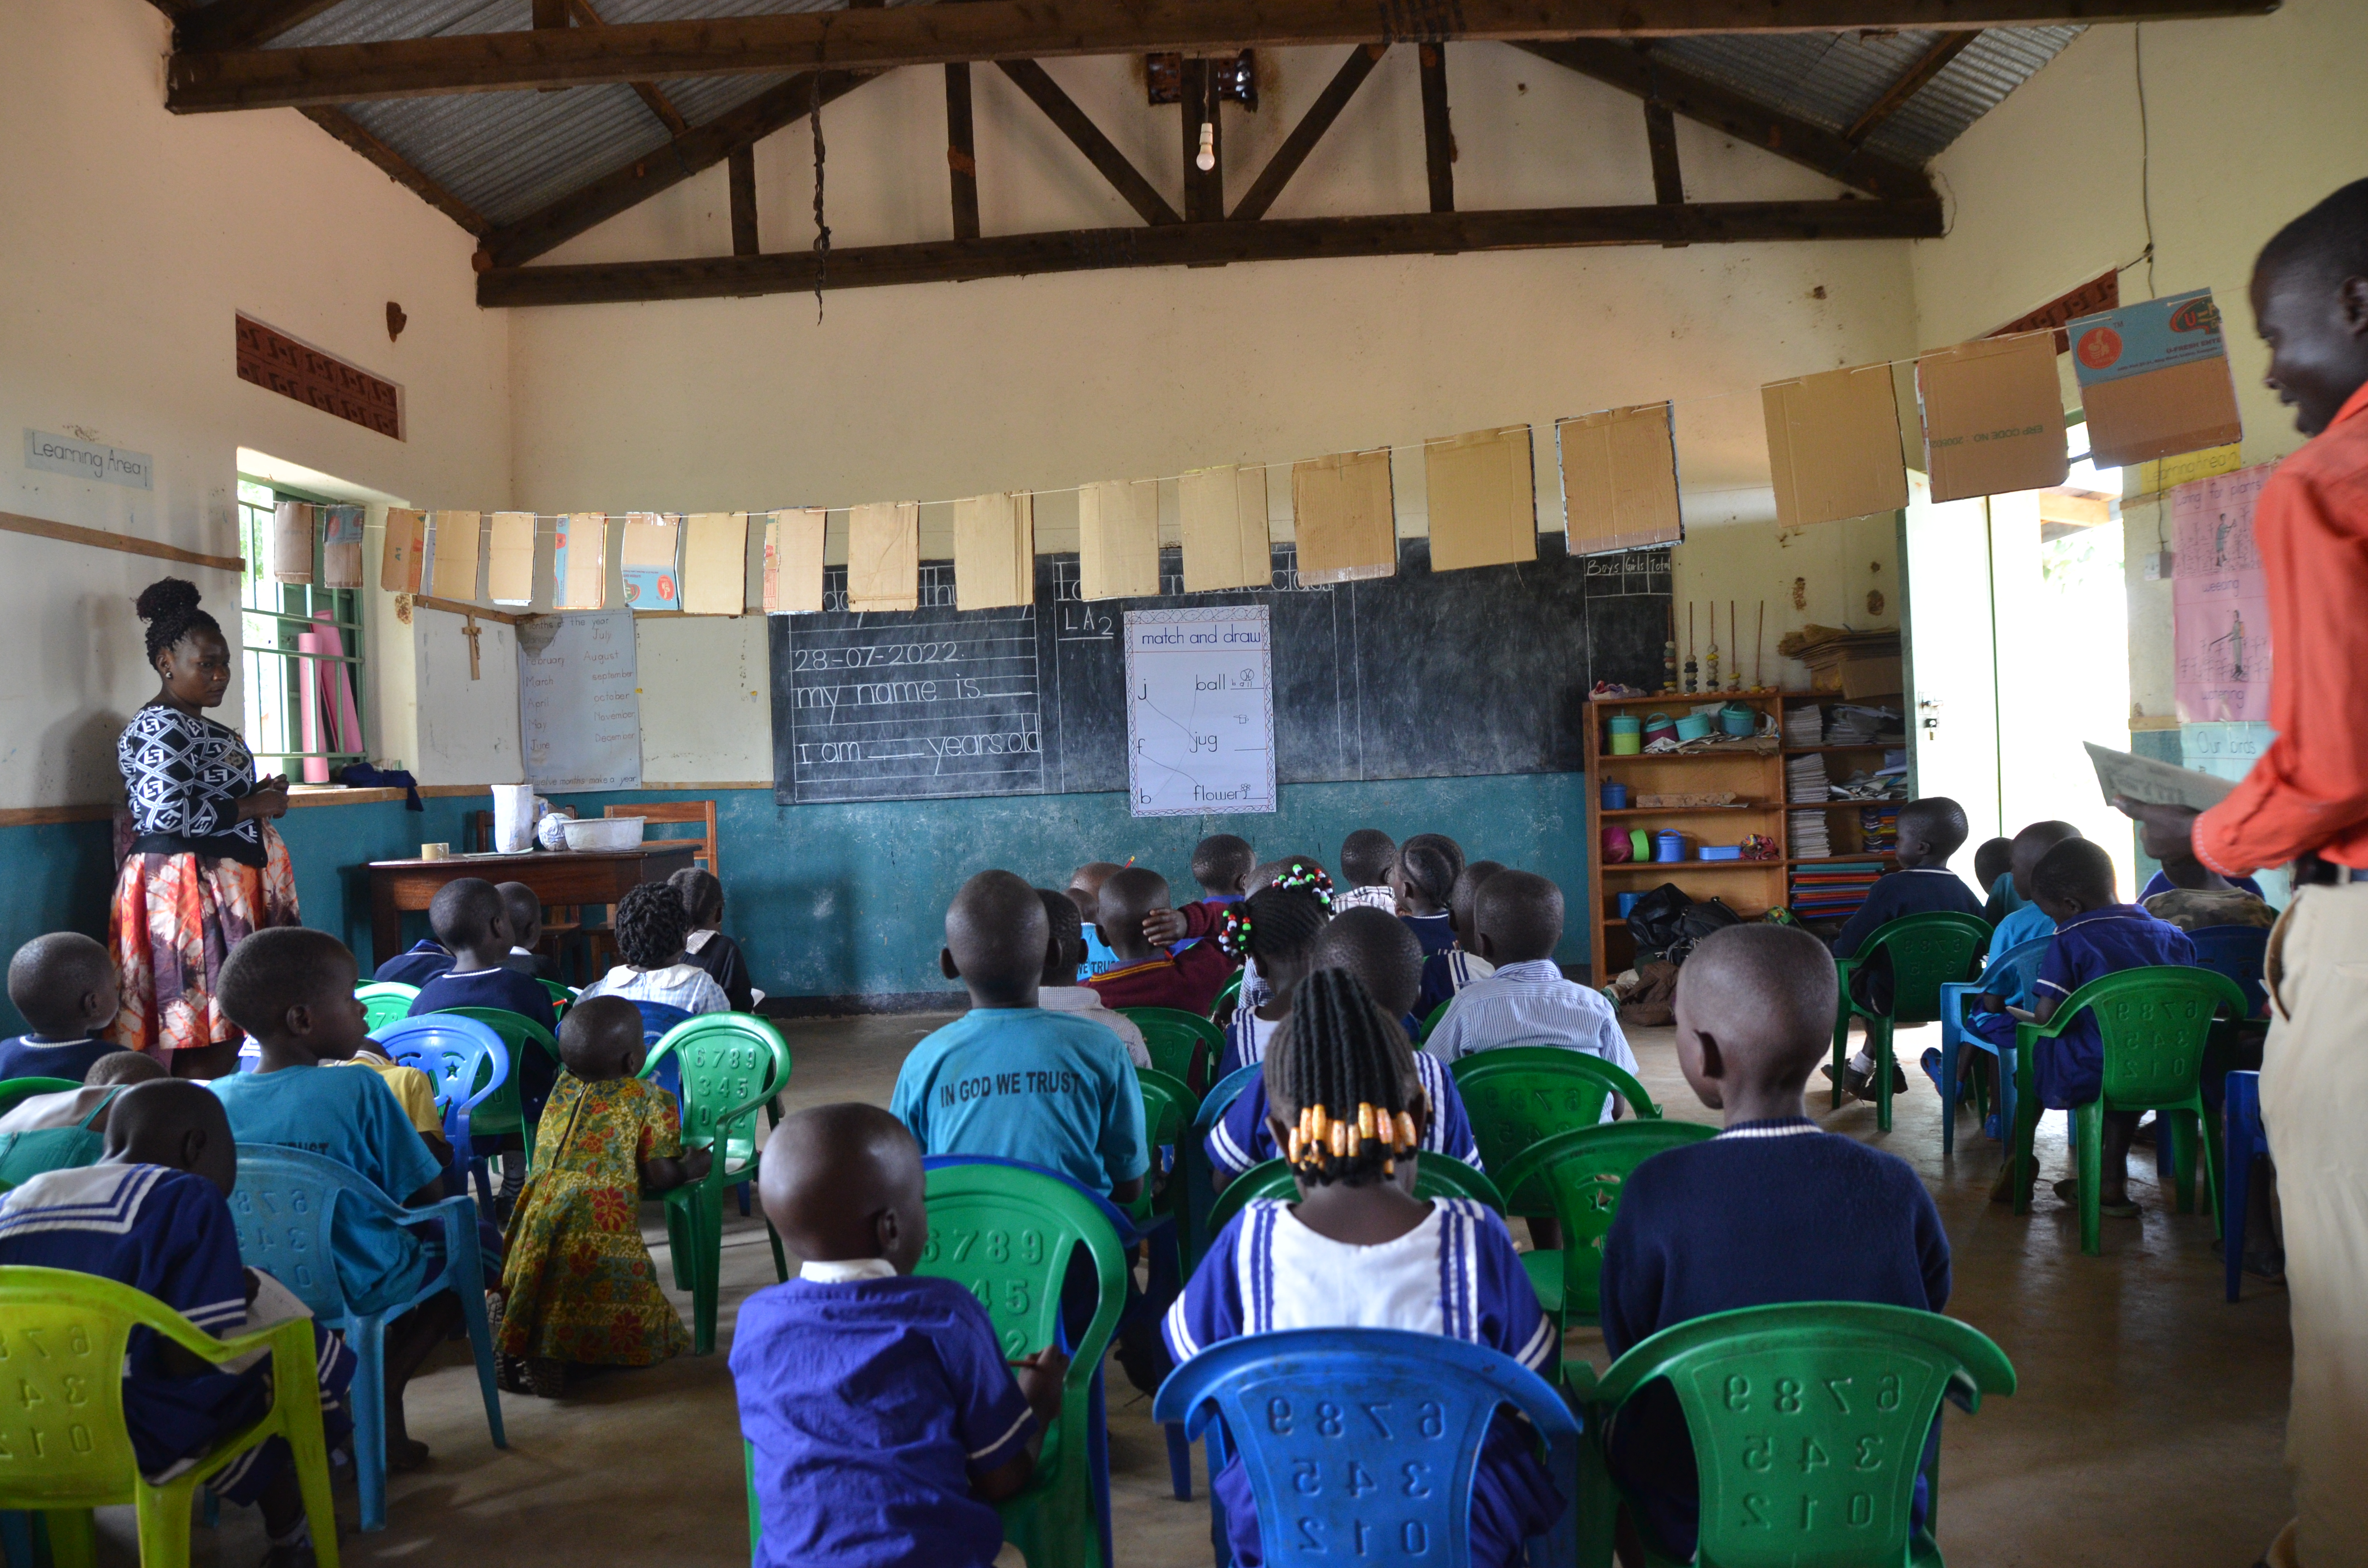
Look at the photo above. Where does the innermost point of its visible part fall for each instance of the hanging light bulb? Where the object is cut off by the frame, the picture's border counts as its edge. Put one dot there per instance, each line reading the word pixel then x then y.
pixel 1207 158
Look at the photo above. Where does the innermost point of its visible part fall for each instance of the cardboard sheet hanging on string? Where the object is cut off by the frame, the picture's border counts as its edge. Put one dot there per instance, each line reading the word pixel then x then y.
pixel 1833 446
pixel 580 559
pixel 452 566
pixel 1117 539
pixel 509 565
pixel 341 546
pixel 715 564
pixel 1223 514
pixel 793 560
pixel 1342 513
pixel 1619 480
pixel 2154 380
pixel 1993 417
pixel 650 560
pixel 995 551
pixel 403 555
pixel 1482 499
pixel 883 556
pixel 291 543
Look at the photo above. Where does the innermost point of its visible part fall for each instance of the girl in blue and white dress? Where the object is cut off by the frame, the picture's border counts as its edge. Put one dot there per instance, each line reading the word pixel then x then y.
pixel 1275 930
pixel 1359 1250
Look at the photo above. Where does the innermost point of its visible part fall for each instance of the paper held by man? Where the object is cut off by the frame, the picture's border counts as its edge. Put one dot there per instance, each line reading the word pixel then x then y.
pixel 2155 783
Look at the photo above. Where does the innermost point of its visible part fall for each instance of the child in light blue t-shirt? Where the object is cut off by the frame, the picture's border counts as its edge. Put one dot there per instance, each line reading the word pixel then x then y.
pixel 1010 1080
pixel 292 989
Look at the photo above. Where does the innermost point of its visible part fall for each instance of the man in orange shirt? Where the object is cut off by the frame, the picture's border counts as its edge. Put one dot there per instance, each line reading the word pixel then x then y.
pixel 2307 802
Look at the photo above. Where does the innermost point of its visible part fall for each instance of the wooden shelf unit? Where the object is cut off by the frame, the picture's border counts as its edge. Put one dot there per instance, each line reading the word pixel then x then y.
pixel 1842 829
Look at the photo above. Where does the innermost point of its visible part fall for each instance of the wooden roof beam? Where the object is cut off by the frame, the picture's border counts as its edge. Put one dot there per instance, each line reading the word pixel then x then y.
pixel 396 167
pixel 1207 245
pixel 878 40
pixel 650 92
pixel 1947 47
pixel 1085 136
pixel 1309 131
pixel 241 24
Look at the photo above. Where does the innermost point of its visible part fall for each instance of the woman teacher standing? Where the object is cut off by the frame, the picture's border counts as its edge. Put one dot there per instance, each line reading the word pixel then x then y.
pixel 206 867
pixel 2307 802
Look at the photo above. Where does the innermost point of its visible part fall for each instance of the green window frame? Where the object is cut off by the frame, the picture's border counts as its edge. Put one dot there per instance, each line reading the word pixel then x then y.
pixel 273 615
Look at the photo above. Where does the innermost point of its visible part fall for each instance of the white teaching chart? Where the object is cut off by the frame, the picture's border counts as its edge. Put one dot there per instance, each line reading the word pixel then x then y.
pixel 1200 710
pixel 579 712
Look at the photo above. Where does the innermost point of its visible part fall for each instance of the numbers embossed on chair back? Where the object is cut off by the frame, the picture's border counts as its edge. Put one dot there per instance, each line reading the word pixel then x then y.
pixel 57 1382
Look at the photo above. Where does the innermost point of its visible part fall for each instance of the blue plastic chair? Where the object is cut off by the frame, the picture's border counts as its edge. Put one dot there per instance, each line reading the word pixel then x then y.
pixel 467 1062
pixel 657 1017
pixel 2240 952
pixel 2241 1110
pixel 283 1207
pixel 2008 973
pixel 1365 1441
pixel 1192 1160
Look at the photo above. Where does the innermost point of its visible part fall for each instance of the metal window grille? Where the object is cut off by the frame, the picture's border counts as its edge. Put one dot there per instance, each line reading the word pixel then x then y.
pixel 280 675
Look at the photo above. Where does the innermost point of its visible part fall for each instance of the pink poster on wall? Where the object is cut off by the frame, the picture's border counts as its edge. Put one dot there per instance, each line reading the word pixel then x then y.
pixel 2220 612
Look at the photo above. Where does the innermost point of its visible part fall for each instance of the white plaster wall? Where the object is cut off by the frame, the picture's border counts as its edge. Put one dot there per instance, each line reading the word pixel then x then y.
pixel 129 239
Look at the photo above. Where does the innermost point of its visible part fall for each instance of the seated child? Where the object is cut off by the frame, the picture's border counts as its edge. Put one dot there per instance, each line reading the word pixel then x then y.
pixel 2190 894
pixel 1992 860
pixel 1086 891
pixel 1165 927
pixel 1994 1017
pixel 1452 968
pixel 1930 830
pixel 1058 991
pixel 154 1214
pixel 2095 935
pixel 88 1105
pixel 64 985
pixel 1222 864
pixel 1423 877
pixel 884 1419
pixel 1367 855
pixel 651 930
pixel 472 921
pixel 1375 946
pixel 413 1090
pixel 1747 1219
pixel 416 964
pixel 292 989
pixel 1516 918
pixel 1147 976
pixel 1359 1250
pixel 578 1286
pixel 524 907
pixel 1275 928
pixel 709 949
pixel 1008 1078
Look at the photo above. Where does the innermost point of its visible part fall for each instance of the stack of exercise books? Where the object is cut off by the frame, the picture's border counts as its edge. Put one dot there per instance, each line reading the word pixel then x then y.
pixel 1879 827
pixel 1805 781
pixel 1809 838
pixel 1804 726
pixel 1832 891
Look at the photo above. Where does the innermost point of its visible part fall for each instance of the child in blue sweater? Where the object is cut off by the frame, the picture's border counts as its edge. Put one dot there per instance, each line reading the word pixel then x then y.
pixel 64 985
pixel 1771 1211
pixel 1930 830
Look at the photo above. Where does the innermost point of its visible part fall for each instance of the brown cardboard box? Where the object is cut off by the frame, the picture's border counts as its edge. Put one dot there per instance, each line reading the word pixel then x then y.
pixel 1858 677
pixel 2165 413
pixel 1344 517
pixel 1993 417
pixel 1484 509
pixel 1833 446
pixel 1619 480
pixel 405 553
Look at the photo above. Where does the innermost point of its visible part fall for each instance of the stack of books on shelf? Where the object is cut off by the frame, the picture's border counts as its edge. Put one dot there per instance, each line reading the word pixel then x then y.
pixel 1804 726
pixel 1879 826
pixel 1833 890
pixel 1851 724
pixel 1809 839
pixel 1806 782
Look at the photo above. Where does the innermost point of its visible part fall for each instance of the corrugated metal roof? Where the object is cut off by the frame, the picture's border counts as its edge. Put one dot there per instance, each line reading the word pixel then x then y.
pixel 507 154
pixel 1830 79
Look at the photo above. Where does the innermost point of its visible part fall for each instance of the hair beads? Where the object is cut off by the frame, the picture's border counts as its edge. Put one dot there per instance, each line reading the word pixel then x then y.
pixel 1346 1066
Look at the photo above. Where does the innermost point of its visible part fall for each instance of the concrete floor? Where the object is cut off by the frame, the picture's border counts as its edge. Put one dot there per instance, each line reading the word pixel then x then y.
pixel 2147 1428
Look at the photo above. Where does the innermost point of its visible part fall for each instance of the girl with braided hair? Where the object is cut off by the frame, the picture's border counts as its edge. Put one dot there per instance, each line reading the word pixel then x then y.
pixel 202 865
pixel 1359 1250
pixel 1275 930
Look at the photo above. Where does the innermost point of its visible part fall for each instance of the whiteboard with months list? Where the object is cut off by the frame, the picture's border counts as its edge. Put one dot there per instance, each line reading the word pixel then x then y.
pixel 1200 710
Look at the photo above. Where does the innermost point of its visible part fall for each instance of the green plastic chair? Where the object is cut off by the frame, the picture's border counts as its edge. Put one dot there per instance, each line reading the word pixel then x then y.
pixel 2154 1022
pixel 1231 990
pixel 1168 1105
pixel 1432 1022
pixel 1580 1174
pixel 1183 1045
pixel 1435 1176
pixel 501 1113
pixel 1007 1234
pixel 1928 952
pixel 15 1092
pixel 1808 1423
pixel 385 1001
pixel 1516 1095
pixel 561 996
pixel 731 1064
pixel 64 1334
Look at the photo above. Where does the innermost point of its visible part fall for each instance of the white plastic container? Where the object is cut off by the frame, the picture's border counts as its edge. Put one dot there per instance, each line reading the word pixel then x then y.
pixel 605 833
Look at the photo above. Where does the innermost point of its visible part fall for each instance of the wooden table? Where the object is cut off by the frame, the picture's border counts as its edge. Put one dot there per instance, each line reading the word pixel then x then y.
pixel 560 876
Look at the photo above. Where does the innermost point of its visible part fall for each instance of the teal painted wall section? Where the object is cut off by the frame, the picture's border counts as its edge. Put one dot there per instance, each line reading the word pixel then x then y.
pixel 842 899
pixel 836 900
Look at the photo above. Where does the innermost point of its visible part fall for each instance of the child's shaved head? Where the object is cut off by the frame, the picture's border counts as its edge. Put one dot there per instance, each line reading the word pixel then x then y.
pixel 841 1182
pixel 995 937
pixel 1064 944
pixel 1459 902
pixel 124 1067
pixel 1366 857
pixel 63 984
pixel 1993 860
pixel 1127 897
pixel 601 1038
pixel 1518 916
pixel 464 912
pixel 1754 1015
pixel 2075 873
pixel 1374 946
pixel 1086 886
pixel 524 906
pixel 2031 846
pixel 1930 830
pixel 173 1122
pixel 1222 863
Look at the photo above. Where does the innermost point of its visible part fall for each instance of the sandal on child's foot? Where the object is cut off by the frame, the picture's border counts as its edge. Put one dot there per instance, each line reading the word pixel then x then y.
pixel 546 1377
pixel 2068 1189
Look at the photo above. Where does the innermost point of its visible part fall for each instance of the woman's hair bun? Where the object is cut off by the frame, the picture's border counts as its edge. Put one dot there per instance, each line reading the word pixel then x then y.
pixel 168 599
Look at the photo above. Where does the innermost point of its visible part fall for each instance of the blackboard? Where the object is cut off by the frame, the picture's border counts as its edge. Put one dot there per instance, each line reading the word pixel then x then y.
pixel 1420 675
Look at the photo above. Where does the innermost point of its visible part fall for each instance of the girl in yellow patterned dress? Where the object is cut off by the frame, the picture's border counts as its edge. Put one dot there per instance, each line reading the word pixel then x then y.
pixel 578 1284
